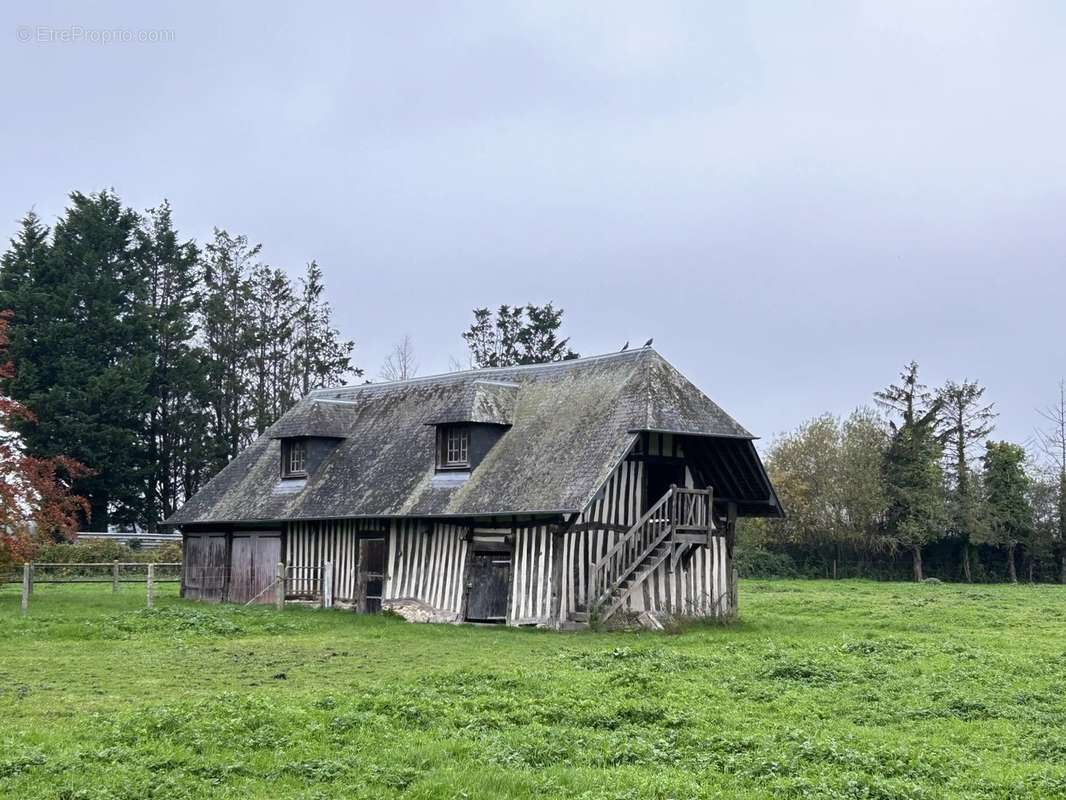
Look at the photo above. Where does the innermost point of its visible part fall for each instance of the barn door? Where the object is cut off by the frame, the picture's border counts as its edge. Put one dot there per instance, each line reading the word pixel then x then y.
pixel 488 581
pixel 204 560
pixel 371 574
pixel 253 561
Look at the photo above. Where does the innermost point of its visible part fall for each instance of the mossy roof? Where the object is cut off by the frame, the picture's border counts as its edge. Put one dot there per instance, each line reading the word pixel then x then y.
pixel 569 425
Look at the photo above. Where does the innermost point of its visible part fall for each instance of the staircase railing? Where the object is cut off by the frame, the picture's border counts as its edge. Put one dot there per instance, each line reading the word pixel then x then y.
pixel 679 510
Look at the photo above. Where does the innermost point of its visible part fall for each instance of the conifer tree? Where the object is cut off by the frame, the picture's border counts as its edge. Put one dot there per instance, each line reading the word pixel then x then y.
pixel 274 315
pixel 173 272
pixel 913 476
pixel 322 357
pixel 229 340
pixel 1007 505
pixel 83 349
pixel 517 335
pixel 966 421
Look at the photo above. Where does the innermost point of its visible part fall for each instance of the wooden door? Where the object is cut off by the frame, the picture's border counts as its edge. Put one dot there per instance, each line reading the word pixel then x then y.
pixel 204 566
pixel 660 477
pixel 488 583
pixel 371 586
pixel 253 563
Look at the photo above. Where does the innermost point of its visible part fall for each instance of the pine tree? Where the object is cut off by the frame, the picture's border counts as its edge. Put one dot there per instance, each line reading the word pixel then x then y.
pixel 516 335
pixel 229 341
pixel 966 422
pixel 913 476
pixel 1008 509
pixel 173 273
pixel 274 314
pixel 322 357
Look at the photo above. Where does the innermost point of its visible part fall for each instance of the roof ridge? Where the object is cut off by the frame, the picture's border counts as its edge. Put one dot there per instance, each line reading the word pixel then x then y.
pixel 474 373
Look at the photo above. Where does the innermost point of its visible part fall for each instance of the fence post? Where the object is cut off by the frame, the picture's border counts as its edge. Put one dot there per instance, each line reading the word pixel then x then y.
pixel 114 576
pixel 151 578
pixel 279 587
pixel 31 577
pixel 327 585
pixel 25 589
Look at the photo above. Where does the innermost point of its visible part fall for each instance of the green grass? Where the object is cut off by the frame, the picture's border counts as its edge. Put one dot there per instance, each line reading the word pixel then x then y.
pixel 835 690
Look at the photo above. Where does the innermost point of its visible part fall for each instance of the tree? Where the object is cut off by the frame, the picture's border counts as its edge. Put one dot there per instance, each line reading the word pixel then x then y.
pixel 863 443
pixel 173 272
pixel 228 263
pixel 912 473
pixel 1052 443
pixel 805 471
pixel 83 359
pixel 828 475
pixel 273 313
pixel 20 266
pixel 1007 506
pixel 400 364
pixel 517 335
pixel 1044 500
pixel 35 493
pixel 322 357
pixel 966 421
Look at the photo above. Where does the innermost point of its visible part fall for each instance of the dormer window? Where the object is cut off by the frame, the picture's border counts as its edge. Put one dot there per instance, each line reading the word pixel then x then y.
pixel 294 458
pixel 453 447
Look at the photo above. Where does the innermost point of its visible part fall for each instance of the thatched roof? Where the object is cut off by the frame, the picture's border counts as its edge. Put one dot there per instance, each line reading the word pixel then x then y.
pixel 570 423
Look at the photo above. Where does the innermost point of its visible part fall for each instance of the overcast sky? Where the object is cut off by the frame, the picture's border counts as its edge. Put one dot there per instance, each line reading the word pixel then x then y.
pixel 794 199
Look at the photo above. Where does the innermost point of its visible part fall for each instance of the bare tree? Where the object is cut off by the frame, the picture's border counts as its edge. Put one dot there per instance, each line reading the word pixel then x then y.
pixel 1052 443
pixel 401 363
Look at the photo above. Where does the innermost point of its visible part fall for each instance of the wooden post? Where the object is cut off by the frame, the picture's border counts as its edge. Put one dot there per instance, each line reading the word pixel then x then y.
pixel 733 593
pixel 31 577
pixel 327 585
pixel 151 580
pixel 114 576
pixel 279 587
pixel 24 609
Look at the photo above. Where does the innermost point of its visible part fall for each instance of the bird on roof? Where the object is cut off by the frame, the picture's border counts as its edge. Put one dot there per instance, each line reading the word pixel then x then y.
pixel 624 347
pixel 648 343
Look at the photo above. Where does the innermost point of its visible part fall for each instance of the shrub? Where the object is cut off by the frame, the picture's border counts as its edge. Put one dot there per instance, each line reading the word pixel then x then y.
pixel 755 562
pixel 100 551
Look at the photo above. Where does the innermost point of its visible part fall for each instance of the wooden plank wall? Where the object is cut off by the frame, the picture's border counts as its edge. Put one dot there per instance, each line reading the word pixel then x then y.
pixel 699 588
pixel 531 576
pixel 311 544
pixel 426 562
pixel 618 504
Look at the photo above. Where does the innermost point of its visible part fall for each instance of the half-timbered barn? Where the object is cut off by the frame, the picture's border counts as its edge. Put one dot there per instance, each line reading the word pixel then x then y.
pixel 544 495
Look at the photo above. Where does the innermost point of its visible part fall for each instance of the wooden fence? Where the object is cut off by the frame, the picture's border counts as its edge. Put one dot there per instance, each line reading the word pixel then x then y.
pixel 307 584
pixel 117 572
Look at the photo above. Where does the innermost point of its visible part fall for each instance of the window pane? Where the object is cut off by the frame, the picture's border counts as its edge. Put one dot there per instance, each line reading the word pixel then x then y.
pixel 457 444
pixel 296 462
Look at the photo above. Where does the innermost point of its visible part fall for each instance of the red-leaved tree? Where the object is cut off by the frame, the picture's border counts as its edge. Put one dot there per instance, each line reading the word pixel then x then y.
pixel 32 490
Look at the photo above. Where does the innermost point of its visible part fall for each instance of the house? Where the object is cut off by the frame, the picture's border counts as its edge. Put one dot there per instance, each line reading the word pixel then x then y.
pixel 605 486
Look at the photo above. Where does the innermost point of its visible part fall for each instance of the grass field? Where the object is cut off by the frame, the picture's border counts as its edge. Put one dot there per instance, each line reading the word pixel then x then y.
pixel 848 689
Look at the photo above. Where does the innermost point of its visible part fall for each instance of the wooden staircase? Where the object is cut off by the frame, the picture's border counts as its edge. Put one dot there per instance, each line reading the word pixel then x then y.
pixel 668 532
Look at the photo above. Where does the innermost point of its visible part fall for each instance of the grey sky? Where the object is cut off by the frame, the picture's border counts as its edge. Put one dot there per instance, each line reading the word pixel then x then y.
pixel 794 199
